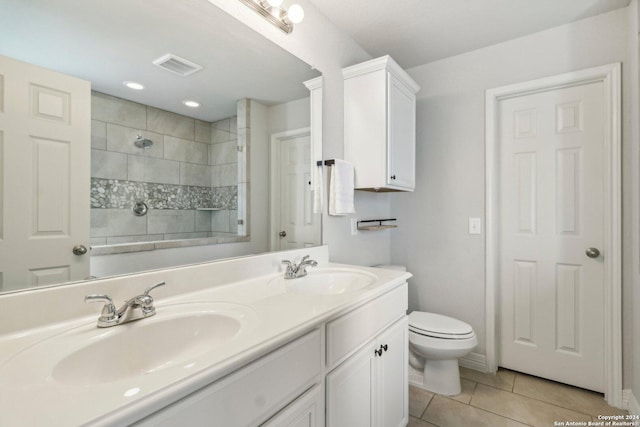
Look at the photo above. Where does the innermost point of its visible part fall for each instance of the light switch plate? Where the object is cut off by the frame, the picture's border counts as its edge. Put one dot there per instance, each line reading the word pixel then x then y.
pixel 475 226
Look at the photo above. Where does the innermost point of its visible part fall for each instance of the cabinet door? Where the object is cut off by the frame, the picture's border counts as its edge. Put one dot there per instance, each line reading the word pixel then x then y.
pixel 401 139
pixel 393 387
pixel 351 390
pixel 306 411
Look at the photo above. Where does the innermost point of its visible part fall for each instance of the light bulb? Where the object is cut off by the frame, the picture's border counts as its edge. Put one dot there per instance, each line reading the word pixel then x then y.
pixel 274 3
pixel 133 85
pixel 295 13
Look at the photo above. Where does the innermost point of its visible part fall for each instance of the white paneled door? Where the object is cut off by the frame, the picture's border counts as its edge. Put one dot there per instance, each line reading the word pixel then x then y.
pixel 551 321
pixel 299 227
pixel 45 135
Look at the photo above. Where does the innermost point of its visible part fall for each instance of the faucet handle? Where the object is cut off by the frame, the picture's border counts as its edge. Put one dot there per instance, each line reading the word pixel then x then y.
pixel 157 285
pixel 108 311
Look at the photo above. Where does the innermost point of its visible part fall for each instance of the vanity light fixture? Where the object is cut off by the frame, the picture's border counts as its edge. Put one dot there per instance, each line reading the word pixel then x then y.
pixel 133 85
pixel 272 11
pixel 192 104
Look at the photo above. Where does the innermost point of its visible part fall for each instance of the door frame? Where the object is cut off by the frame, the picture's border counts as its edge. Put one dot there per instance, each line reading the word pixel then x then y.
pixel 274 166
pixel 609 75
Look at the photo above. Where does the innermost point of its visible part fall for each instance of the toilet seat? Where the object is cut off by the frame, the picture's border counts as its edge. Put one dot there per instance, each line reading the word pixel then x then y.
pixel 439 326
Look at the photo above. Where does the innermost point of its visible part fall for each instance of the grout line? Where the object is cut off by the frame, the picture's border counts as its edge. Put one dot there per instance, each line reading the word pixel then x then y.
pixel 532 398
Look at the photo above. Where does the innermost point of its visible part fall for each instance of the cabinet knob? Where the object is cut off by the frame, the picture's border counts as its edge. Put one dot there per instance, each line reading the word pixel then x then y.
pixel 378 352
pixel 384 347
pixel 393 177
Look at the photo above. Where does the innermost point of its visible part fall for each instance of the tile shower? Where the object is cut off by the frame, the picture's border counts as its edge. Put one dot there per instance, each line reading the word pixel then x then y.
pixel 188 178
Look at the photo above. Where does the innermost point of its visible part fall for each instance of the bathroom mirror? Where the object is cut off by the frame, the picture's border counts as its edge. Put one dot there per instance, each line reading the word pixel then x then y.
pixel 150 141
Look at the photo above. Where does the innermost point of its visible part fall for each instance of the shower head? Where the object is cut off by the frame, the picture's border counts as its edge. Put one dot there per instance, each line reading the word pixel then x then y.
pixel 141 142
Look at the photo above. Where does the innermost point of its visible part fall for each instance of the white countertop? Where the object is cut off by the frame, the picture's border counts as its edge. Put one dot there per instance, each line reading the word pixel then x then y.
pixel 30 396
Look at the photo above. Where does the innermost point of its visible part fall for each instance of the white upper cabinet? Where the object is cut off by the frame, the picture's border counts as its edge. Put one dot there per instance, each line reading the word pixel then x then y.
pixel 380 125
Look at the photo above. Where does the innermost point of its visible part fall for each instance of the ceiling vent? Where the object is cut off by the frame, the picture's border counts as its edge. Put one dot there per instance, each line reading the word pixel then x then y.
pixel 177 65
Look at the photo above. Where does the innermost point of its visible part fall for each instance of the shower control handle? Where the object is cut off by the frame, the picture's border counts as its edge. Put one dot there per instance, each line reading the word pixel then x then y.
pixel 79 250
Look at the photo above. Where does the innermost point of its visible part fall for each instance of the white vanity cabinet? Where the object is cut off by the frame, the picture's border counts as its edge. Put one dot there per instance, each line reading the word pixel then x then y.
pixel 380 125
pixel 362 382
pixel 367 357
pixel 251 395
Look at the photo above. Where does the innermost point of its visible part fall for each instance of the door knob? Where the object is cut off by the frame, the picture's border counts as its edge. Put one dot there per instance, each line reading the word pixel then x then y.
pixel 79 250
pixel 592 252
pixel 282 234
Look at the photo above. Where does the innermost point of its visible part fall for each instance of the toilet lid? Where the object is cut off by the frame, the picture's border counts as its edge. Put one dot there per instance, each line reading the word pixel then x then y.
pixel 439 326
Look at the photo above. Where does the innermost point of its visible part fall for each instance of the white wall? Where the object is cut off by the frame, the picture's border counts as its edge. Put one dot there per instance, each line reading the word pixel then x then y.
pixel 289 116
pixel 433 240
pixel 320 43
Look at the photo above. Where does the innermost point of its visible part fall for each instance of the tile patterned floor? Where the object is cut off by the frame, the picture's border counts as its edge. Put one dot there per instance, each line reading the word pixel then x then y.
pixel 508 399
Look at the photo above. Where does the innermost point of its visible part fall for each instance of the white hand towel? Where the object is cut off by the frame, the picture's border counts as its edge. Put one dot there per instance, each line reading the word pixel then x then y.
pixel 341 188
pixel 318 190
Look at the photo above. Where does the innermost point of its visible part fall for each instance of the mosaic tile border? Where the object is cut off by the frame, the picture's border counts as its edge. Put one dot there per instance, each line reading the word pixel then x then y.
pixel 120 194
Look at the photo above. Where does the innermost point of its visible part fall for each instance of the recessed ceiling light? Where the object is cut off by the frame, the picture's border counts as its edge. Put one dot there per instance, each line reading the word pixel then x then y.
pixel 133 85
pixel 192 104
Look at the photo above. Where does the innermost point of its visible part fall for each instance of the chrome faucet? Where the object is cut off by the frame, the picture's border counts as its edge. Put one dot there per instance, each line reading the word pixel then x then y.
pixel 135 308
pixel 298 270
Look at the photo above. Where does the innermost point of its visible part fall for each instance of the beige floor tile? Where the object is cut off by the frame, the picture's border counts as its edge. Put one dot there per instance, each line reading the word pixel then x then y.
pixel 418 400
pixel 417 422
pixel 522 408
pixel 468 388
pixel 445 412
pixel 566 396
pixel 503 379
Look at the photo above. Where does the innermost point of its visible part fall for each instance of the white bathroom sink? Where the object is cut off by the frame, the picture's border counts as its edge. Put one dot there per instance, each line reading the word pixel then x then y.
pixel 328 281
pixel 175 338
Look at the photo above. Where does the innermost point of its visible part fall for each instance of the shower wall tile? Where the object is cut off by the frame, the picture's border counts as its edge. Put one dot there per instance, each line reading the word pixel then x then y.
pixel 203 220
pixel 98 241
pixel 149 169
pixel 223 153
pixel 223 125
pixel 203 132
pixel 225 175
pixel 108 165
pixel 220 221
pixel 98 135
pixel 110 109
pixel 180 236
pixel 117 240
pixel 244 113
pixel 116 222
pixel 167 123
pixel 218 135
pixel 199 175
pixel 122 138
pixel 171 221
pixel 233 221
pixel 233 125
pixel 185 151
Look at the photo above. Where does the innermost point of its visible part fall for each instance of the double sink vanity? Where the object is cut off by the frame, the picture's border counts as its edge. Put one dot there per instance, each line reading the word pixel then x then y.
pixel 231 343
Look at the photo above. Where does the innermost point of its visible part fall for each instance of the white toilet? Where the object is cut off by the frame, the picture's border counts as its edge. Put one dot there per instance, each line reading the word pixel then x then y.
pixel 435 344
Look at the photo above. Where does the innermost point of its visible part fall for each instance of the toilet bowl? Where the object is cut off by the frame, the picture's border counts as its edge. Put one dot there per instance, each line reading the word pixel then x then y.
pixel 435 344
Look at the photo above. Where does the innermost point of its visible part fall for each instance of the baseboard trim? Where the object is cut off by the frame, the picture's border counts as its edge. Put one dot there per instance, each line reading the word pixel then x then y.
pixel 475 361
pixel 629 402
